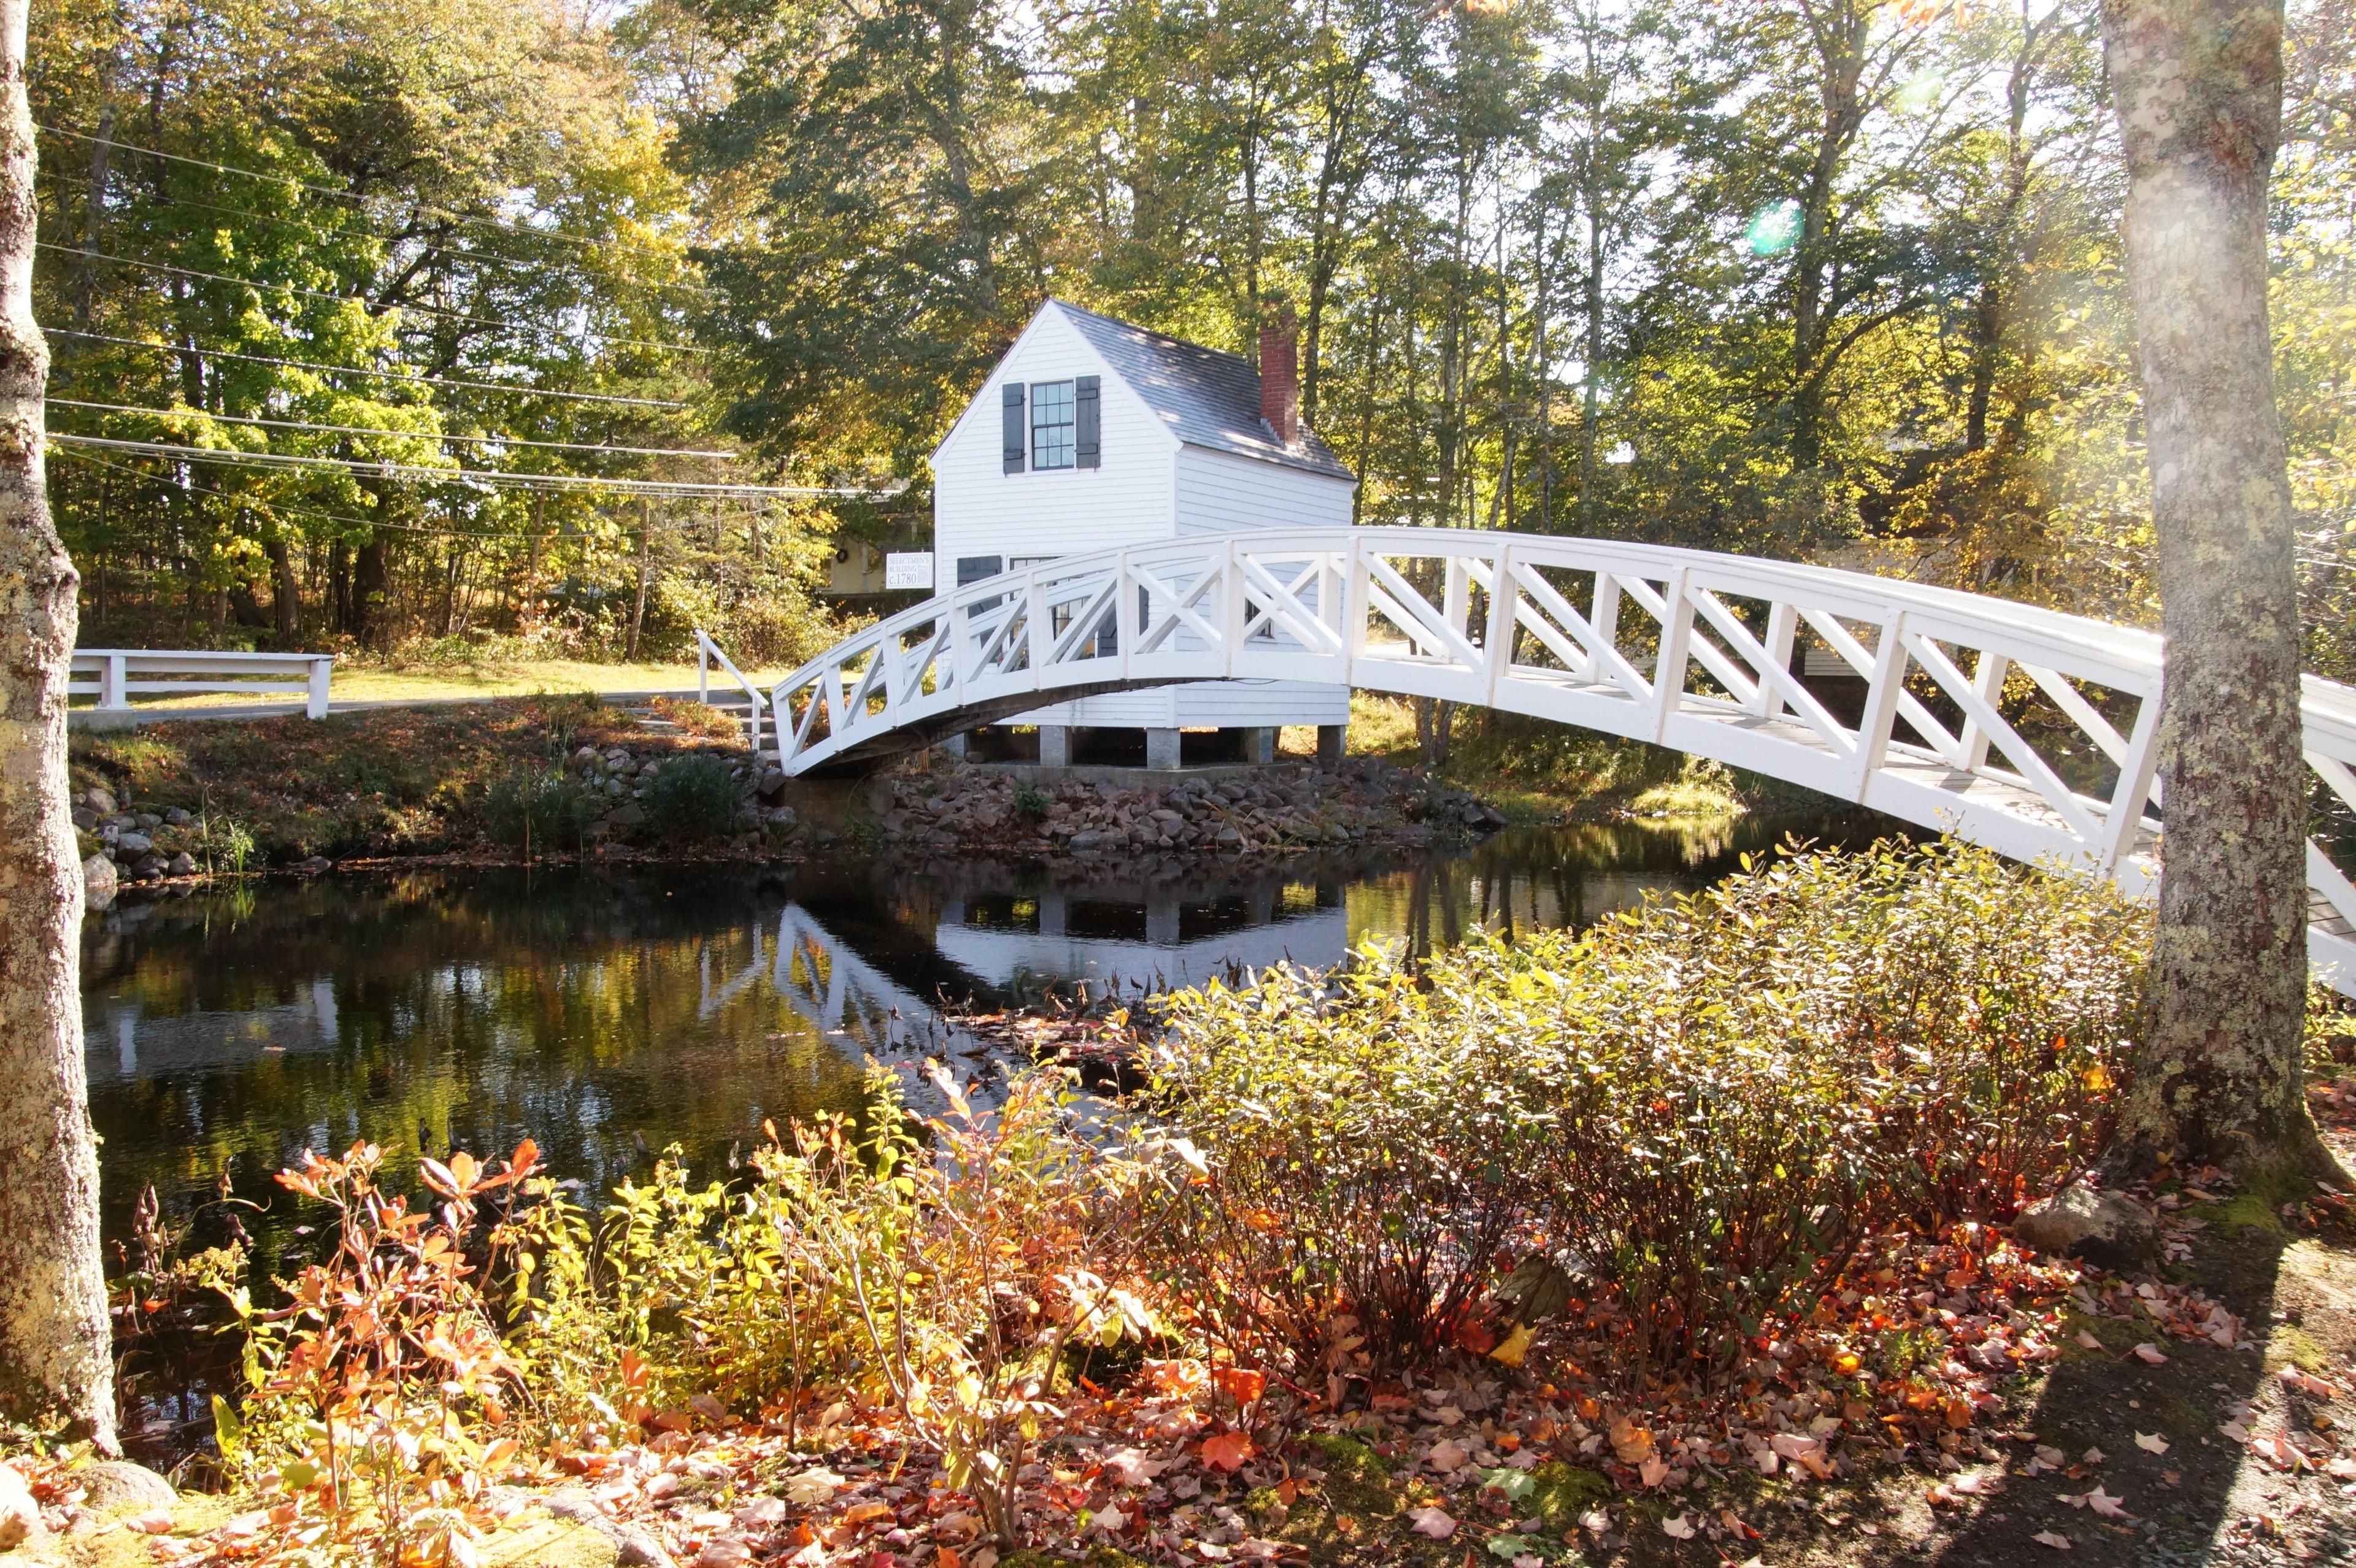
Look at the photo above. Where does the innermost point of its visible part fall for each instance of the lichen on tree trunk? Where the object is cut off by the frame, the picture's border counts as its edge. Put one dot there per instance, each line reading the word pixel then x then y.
pixel 2198 87
pixel 55 1353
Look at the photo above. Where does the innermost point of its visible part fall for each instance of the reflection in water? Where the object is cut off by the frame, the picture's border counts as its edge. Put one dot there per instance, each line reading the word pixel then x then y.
pixel 610 1014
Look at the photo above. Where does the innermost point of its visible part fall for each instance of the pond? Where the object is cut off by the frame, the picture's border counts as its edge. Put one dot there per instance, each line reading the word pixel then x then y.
pixel 610 1014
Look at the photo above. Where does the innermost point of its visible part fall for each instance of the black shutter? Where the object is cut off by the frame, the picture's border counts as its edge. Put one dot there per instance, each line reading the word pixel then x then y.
pixel 1017 439
pixel 1088 417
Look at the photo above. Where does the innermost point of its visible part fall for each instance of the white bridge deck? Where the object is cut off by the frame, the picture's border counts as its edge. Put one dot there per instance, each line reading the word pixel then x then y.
pixel 1689 649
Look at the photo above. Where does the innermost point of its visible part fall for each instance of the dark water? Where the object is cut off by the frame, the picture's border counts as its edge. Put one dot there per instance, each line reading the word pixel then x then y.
pixel 608 1014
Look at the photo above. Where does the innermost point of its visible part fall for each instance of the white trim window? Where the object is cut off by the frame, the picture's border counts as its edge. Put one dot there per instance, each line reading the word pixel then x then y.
pixel 1055 425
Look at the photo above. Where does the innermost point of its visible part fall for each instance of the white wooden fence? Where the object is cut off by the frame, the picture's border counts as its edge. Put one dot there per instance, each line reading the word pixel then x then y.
pixel 112 674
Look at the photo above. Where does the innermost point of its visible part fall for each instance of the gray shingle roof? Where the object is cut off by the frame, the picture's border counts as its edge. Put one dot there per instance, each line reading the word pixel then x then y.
pixel 1206 398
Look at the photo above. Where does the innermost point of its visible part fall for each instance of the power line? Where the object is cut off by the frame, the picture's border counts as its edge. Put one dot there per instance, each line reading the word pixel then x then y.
pixel 361 301
pixel 371 466
pixel 518 263
pixel 359 370
pixel 338 194
pixel 366 430
pixel 277 507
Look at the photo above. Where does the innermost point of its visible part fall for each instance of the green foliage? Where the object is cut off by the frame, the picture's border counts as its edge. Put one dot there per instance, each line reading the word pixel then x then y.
pixel 693 798
pixel 1031 803
pixel 539 810
pixel 1697 1110
pixel 225 846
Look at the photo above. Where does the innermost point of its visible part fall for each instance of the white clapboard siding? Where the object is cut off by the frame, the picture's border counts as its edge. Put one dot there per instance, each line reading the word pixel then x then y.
pixel 1219 493
pixel 980 510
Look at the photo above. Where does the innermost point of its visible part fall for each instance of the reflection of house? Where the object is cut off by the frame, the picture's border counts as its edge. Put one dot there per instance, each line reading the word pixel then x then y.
pixel 1142 936
pixel 1092 434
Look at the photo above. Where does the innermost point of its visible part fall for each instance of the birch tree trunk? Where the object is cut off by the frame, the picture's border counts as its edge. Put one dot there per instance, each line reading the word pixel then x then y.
pixel 56 1358
pixel 2198 85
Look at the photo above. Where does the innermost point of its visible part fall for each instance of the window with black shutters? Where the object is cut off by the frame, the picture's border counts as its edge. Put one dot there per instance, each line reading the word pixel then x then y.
pixel 1053 430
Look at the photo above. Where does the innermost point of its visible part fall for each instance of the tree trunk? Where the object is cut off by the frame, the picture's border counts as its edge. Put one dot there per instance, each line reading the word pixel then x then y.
pixel 639 608
pixel 371 583
pixel 287 591
pixel 2199 89
pixel 55 1355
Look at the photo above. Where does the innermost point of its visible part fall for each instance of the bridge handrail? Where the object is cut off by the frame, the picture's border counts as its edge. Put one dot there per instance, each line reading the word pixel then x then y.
pixel 708 651
pixel 112 668
pixel 1689 648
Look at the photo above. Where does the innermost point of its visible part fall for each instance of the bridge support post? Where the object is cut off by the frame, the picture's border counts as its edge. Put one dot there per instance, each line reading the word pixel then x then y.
pixel 1330 745
pixel 1054 745
pixel 953 745
pixel 1259 745
pixel 1161 751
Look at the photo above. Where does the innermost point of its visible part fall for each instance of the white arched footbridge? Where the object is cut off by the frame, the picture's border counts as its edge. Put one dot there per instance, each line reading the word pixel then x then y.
pixel 1723 656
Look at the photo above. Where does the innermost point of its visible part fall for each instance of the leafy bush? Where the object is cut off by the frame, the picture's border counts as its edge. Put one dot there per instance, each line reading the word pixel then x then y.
pixel 1031 803
pixel 1692 1114
pixel 537 809
pixel 693 798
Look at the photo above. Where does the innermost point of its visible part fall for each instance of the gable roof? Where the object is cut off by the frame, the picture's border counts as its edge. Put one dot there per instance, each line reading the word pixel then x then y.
pixel 1205 397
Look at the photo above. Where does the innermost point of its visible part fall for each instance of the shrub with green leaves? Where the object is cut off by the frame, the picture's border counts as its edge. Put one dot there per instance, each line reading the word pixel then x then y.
pixel 1698 1110
pixel 537 810
pixel 693 798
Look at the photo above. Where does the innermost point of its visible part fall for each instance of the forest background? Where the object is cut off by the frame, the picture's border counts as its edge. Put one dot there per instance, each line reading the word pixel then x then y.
pixel 405 325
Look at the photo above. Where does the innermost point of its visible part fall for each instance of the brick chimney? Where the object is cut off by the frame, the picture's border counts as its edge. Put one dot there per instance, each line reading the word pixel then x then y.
pixel 1280 373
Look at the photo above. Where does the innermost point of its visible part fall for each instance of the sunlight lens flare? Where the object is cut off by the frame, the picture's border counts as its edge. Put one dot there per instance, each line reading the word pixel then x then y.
pixel 1773 228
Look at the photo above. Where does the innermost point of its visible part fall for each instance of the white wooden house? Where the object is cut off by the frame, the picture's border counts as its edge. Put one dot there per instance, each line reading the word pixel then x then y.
pixel 1093 433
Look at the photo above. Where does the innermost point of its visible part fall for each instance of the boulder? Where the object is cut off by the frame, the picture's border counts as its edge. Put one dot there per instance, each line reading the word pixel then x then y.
pixel 183 865
pixel 629 815
pixel 98 800
pixel 85 819
pixel 100 882
pixel 111 1483
pixel 132 846
pixel 178 817
pixel 21 1515
pixel 314 865
pixel 2107 1229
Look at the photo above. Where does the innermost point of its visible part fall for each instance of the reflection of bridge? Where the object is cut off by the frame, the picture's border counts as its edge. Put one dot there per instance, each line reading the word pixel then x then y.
pixel 2027 731
pixel 838 992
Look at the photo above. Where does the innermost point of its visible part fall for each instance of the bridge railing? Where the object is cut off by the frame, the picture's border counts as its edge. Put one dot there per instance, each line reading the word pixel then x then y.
pixel 707 655
pixel 2029 731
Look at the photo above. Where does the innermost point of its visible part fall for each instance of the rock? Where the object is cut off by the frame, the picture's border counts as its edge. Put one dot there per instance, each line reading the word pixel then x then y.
pixel 131 845
pixel 149 867
pixel 1494 817
pixel 178 817
pixel 148 820
pixel 1474 814
pixel 100 882
pixel 21 1515
pixel 629 815
pixel 635 1549
pixel 85 819
pixel 1085 840
pixel 98 800
pixel 2107 1229
pixel 112 1483
pixel 773 782
pixel 1228 838
pixel 784 817
pixel 182 865
pixel 314 865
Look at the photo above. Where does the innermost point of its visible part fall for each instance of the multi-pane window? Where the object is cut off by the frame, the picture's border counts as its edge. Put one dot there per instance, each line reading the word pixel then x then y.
pixel 1053 438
